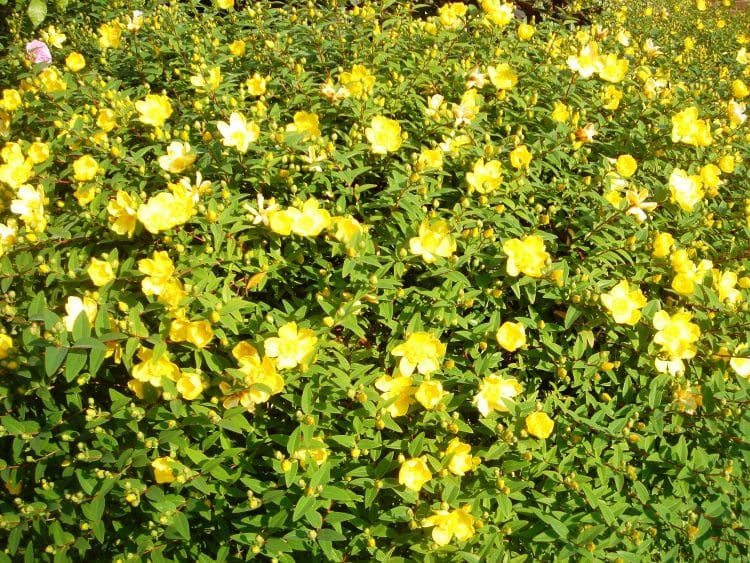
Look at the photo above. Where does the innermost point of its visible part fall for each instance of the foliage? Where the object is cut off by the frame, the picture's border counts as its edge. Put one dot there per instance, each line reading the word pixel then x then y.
pixel 328 283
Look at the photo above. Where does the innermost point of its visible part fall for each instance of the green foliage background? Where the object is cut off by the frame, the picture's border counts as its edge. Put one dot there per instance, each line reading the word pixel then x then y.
pixel 628 474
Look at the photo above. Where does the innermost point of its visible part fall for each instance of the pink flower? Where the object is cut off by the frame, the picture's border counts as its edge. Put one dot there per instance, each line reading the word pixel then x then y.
pixel 38 52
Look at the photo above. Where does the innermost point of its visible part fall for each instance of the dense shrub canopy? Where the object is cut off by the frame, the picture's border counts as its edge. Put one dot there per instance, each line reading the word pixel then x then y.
pixel 322 282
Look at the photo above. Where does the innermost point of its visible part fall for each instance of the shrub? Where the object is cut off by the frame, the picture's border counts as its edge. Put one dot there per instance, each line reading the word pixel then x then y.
pixel 320 283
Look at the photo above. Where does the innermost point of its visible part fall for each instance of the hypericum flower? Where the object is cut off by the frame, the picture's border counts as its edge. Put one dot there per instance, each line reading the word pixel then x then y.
pixel 239 132
pixel 688 129
pixel 468 108
pixel 430 158
pixel 496 393
pixel 17 169
pixel 384 135
pixel 166 469
pixel 736 113
pixel 158 269
pixel 663 243
pixel 256 85
pixel 688 274
pixel 687 190
pixel 414 473
pixel 11 100
pixel 421 351
pixel 560 112
pixel 8 236
pixel 460 460
pixel 711 176
pixel 293 347
pixel 76 306
pixel 85 168
pixel 446 525
pixel 452 14
pixel 178 157
pixel 358 82
pixel 740 89
pixel 520 157
pixel 198 333
pixel 29 205
pixel 587 62
pixel 134 22
pixel 613 69
pixel 154 109
pixel 611 97
pixel 38 52
pixel 122 213
pixel 725 283
pixel 433 239
pixel 106 120
pixel 190 386
pixel 638 207
pixel 207 82
pixel 54 37
pixel 677 337
pixel 539 425
pixel 166 210
pixel 740 361
pixel 310 220
pixel 38 152
pixel 6 345
pixel 498 12
pixel 260 378
pixel 626 165
pixel 527 256
pixel 75 62
pixel 688 398
pixel 151 370
pixel 237 47
pixel 502 76
pixel 307 123
pixel 318 452
pixel 110 35
pixel 101 272
pixel 485 177
pixel 624 304
pixel 525 31
pixel 399 390
pixel 347 229
pixel 511 336
pixel 429 394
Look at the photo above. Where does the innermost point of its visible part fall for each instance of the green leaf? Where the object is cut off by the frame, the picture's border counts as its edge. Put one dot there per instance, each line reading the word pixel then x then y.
pixel 181 525
pixel 304 505
pixel 37 11
pixel 53 359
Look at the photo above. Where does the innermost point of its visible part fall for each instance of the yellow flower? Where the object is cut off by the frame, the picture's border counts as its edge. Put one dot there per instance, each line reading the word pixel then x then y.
pixel 11 100
pixel 503 77
pixel 736 113
pixel 384 135
pixel 560 112
pixel 150 370
pixel 256 85
pixel 280 221
pixel 198 333
pixel 446 525
pixel 75 306
pixel 611 97
pixel 29 205
pixel 624 304
pixel 587 62
pixel 260 377
pixel 85 168
pixel 688 129
pixel 740 361
pixel 225 4
pixel 101 272
pixel 539 425
pixel 318 454
pixel 237 48
pixel 688 399
pixel 397 389
pixel 429 394
pixel 122 213
pixel 348 229
pixel 38 152
pixel 307 123
pixel 292 347
pixel 75 62
pixel 497 12
pixel 310 220
pixel 190 386
pixel 485 177
pixel 434 239
pixel 496 393
pixel 663 242
pixel 52 81
pixel 676 335
pixel 178 157
pixel 511 336
pixel 239 132
pixel 421 351
pixel 740 89
pixel 358 82
pixel 166 469
pixel 451 15
pixel 687 191
pixel 414 473
pixel 158 270
pixel 6 344
pixel 110 35
pixel 527 256
pixel 460 460
pixel 520 157
pixel 710 175
pixel 430 158
pixel 725 282
pixel 613 69
pixel 626 165
pixel 525 31
pixel 8 236
pixel 207 83
pixel 726 163
pixel 154 109
pixel 106 120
